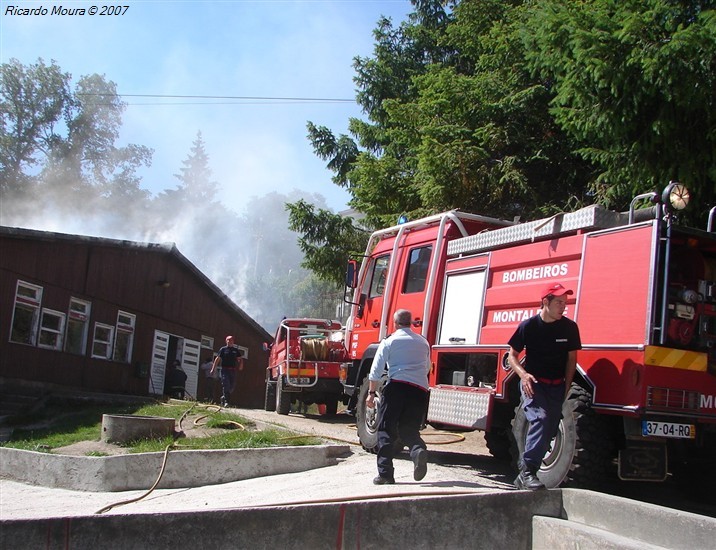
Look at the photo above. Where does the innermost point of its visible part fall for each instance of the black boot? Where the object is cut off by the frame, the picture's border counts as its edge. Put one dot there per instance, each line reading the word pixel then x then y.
pixel 528 480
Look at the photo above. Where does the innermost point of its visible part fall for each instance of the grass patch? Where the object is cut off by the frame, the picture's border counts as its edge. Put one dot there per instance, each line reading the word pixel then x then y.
pixel 234 439
pixel 59 426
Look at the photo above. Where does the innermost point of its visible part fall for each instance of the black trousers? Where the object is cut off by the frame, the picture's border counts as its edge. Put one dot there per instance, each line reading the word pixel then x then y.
pixel 402 410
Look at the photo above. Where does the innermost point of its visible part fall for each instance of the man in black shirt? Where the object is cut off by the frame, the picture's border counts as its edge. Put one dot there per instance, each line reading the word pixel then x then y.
pixel 551 341
pixel 231 360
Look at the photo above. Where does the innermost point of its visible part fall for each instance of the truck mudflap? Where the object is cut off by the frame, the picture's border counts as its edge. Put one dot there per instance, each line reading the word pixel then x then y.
pixel 467 408
pixel 643 460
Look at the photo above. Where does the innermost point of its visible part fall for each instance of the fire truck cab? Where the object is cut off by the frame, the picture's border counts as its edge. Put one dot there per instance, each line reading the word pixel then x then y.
pixel 645 302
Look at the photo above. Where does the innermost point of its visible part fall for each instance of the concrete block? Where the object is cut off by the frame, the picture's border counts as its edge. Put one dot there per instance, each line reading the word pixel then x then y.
pixel 642 521
pixel 560 534
pixel 478 522
pixel 192 468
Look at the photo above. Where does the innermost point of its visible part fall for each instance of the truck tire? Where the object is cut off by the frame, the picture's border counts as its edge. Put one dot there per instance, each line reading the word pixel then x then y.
pixel 581 452
pixel 367 420
pixel 283 398
pixel 270 398
pixel 692 468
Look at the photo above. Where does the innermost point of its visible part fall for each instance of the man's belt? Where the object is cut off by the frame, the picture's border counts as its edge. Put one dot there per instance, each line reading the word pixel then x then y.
pixel 550 381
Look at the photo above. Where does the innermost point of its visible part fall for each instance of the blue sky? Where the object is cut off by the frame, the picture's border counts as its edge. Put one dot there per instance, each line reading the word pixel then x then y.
pixel 297 49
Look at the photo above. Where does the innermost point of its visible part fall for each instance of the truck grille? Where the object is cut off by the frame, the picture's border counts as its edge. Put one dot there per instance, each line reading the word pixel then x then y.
pixel 671 399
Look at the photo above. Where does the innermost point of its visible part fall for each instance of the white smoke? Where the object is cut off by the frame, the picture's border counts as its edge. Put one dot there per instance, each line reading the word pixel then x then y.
pixel 243 254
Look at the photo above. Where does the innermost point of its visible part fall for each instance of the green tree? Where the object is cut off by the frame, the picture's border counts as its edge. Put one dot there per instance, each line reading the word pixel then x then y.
pixel 454 120
pixel 196 182
pixel 634 83
pixel 327 240
pixel 59 143
pixel 34 100
pixel 191 214
pixel 373 166
pixel 513 108
pixel 276 285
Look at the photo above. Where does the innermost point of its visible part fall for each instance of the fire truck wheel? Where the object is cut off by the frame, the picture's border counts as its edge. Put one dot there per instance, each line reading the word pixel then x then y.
pixel 283 398
pixel 270 399
pixel 692 467
pixel 367 419
pixel 580 453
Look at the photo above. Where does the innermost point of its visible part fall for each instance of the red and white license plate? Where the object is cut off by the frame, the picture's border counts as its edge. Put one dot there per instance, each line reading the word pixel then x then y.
pixel 668 429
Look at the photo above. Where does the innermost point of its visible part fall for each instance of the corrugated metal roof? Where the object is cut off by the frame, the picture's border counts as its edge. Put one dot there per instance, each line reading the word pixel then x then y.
pixel 158 248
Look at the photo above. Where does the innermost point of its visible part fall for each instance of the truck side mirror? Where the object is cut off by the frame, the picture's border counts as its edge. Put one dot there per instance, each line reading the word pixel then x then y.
pixel 361 305
pixel 352 274
pixel 266 346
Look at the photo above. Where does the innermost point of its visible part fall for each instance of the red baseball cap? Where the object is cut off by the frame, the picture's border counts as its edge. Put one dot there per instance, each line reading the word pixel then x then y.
pixel 555 289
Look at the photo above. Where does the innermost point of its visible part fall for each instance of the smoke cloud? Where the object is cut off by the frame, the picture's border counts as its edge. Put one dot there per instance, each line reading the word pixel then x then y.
pixel 252 257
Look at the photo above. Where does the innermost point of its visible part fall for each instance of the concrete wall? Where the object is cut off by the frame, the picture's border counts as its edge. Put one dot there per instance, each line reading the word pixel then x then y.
pixel 516 520
pixel 140 471
pixel 485 521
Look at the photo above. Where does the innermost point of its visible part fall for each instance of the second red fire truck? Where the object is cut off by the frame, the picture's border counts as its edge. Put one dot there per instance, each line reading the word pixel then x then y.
pixel 303 367
pixel 644 397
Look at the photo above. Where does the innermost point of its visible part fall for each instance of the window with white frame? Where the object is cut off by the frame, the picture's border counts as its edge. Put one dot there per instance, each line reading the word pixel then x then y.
pixel 124 338
pixel 26 314
pixel 207 342
pixel 77 326
pixel 102 341
pixel 52 327
pixel 244 352
pixel 207 348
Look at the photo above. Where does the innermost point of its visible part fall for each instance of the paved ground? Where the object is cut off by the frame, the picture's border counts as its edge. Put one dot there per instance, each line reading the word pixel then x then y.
pixel 459 462
pixel 449 472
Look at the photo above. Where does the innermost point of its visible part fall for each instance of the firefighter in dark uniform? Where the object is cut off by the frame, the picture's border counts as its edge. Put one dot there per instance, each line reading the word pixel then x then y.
pixel 551 341
pixel 231 360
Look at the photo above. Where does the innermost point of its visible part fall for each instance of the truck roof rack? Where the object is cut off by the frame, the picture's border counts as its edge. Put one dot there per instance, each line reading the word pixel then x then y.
pixel 456 216
pixel 591 217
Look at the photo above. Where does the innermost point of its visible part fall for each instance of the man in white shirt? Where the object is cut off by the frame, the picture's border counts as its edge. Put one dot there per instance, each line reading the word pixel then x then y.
pixel 404 398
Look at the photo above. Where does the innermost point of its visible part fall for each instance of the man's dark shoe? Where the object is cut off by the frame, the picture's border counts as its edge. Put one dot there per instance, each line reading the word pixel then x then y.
pixel 380 480
pixel 420 464
pixel 528 480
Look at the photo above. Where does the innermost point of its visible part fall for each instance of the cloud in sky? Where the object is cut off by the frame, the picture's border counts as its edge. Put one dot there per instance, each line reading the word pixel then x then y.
pixel 218 48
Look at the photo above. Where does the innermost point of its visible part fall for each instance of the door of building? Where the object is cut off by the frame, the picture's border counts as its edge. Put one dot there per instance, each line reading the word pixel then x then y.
pixel 159 362
pixel 190 364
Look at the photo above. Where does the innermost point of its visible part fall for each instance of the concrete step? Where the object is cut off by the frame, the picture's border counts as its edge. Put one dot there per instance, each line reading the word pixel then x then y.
pixel 649 524
pixel 561 534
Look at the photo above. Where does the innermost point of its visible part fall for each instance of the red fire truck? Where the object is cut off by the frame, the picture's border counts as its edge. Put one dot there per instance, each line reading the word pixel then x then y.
pixel 644 299
pixel 304 363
